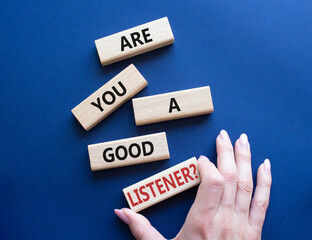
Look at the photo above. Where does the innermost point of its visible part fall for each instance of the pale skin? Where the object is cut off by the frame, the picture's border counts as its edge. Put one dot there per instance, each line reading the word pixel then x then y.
pixel 224 207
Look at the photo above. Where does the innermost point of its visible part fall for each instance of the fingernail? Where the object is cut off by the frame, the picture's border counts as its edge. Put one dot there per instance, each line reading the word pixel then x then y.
pixel 267 166
pixel 243 141
pixel 122 216
pixel 224 135
pixel 204 158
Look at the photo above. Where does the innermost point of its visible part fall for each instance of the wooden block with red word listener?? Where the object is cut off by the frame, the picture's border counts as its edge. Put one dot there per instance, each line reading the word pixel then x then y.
pixel 162 185
pixel 173 105
pixel 134 41
pixel 129 151
pixel 109 97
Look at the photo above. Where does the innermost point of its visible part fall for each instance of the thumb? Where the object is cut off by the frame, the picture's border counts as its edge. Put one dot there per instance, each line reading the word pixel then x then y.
pixel 139 225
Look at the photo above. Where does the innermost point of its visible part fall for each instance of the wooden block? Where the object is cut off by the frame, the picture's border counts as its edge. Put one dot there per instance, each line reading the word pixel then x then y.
pixel 173 105
pixel 109 97
pixel 129 151
pixel 134 41
pixel 162 185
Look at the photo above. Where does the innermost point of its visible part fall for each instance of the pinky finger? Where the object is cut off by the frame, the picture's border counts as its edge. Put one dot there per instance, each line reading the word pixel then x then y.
pixel 260 201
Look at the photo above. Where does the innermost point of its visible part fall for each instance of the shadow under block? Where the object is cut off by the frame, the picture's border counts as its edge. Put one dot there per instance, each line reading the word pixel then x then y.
pixel 163 185
pixel 173 105
pixel 109 97
pixel 134 41
pixel 129 151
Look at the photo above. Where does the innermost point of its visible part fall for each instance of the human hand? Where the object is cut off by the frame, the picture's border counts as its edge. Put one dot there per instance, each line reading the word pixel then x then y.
pixel 223 208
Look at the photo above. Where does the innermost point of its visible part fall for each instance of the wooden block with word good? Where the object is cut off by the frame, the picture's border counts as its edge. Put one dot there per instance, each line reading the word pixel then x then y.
pixel 129 151
pixel 134 41
pixel 162 185
pixel 109 97
pixel 173 105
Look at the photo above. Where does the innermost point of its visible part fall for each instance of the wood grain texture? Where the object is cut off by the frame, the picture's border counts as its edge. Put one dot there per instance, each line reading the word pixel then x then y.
pixel 109 97
pixel 159 34
pixel 129 151
pixel 162 185
pixel 173 105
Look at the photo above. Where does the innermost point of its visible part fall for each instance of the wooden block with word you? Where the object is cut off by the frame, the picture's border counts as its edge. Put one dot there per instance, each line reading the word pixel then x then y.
pixel 173 105
pixel 162 185
pixel 129 151
pixel 109 97
pixel 134 41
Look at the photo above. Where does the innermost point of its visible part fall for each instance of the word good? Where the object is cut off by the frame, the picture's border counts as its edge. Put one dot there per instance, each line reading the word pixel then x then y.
pixel 129 151
pixel 162 185
pixel 109 97
pixel 134 41
pixel 174 105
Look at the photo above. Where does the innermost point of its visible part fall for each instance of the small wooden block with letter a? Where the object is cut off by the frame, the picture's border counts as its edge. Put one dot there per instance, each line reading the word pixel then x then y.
pixel 173 105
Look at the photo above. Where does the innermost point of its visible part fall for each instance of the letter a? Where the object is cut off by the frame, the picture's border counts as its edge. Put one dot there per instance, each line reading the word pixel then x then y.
pixel 124 43
pixel 173 105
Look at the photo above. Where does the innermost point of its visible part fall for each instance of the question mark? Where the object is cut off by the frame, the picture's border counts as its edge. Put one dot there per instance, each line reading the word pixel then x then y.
pixel 194 169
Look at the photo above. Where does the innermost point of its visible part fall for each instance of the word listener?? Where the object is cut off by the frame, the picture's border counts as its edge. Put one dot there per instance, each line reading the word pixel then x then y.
pixel 136 39
pixel 162 185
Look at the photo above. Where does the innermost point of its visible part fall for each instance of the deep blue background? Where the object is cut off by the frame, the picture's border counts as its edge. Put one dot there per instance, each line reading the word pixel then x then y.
pixel 255 55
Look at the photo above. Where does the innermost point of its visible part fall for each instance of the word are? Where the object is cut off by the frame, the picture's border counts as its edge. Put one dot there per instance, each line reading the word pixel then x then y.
pixel 136 39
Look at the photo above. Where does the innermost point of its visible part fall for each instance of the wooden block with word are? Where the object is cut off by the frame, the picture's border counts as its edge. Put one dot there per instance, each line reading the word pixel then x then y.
pixel 162 185
pixel 109 97
pixel 129 151
pixel 173 105
pixel 134 41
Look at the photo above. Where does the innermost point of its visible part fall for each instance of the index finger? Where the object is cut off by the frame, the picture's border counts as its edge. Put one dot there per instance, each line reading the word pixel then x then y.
pixel 210 190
